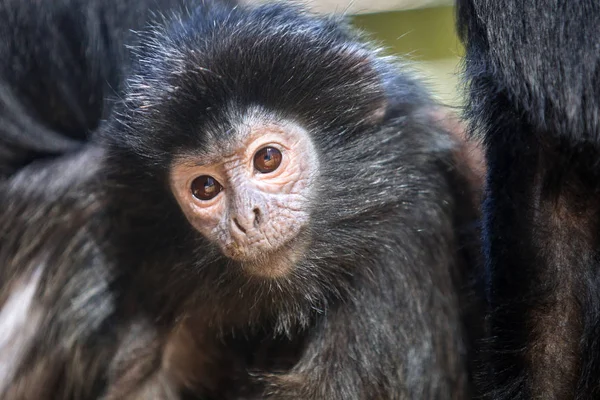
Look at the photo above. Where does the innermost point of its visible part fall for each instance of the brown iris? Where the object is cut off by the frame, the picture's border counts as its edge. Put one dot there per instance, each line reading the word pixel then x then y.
pixel 267 159
pixel 205 187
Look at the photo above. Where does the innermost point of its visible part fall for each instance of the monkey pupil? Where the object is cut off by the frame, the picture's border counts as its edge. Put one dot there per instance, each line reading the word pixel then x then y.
pixel 205 187
pixel 267 159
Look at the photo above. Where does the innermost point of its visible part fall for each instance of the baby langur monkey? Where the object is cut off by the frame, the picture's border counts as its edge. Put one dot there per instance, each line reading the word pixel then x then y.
pixel 295 207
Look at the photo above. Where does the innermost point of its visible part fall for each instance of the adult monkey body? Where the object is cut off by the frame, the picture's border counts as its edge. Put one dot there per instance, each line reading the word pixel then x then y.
pixel 532 69
pixel 62 65
pixel 279 200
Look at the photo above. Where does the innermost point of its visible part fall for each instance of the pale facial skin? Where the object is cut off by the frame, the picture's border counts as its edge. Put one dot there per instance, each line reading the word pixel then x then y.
pixel 251 197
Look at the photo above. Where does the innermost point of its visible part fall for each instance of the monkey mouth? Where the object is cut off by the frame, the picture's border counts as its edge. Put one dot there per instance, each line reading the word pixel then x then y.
pixel 253 247
pixel 264 264
pixel 252 253
pixel 267 261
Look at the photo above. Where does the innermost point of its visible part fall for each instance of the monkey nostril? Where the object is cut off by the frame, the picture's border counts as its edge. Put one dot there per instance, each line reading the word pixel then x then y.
pixel 257 216
pixel 239 226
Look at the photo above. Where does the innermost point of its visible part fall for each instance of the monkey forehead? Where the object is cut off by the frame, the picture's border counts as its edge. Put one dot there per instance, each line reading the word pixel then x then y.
pixel 247 130
pixel 278 56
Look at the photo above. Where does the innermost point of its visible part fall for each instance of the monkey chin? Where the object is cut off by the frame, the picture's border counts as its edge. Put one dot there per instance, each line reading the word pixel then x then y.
pixel 275 264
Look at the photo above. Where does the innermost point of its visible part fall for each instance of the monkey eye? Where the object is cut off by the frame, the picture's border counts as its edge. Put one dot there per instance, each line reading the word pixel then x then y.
pixel 205 187
pixel 267 159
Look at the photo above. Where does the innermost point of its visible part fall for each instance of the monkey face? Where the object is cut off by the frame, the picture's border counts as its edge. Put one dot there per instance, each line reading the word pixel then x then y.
pixel 251 195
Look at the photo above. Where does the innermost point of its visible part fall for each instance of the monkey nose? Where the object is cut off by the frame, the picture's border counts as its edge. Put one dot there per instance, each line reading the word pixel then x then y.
pixel 239 226
pixel 248 222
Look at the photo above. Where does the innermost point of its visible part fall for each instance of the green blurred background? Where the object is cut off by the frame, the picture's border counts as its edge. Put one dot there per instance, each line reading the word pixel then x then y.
pixel 425 36
pixel 422 31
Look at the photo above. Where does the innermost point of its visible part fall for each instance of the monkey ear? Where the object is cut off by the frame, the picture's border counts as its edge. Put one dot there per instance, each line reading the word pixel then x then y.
pixel 363 70
pixel 379 112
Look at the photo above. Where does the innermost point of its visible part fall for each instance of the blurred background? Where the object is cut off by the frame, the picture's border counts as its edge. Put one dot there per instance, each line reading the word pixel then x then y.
pixel 421 31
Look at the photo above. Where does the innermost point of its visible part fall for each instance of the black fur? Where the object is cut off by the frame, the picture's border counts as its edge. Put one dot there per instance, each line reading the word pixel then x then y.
pixel 62 63
pixel 532 74
pixel 375 299
pixel 51 222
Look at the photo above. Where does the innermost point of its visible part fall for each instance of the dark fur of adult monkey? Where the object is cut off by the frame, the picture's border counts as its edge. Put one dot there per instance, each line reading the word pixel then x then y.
pixel 532 73
pixel 280 215
pixel 62 64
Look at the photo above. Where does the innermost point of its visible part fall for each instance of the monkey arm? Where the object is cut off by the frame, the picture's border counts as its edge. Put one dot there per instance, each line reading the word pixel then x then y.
pixel 533 97
pixel 540 224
